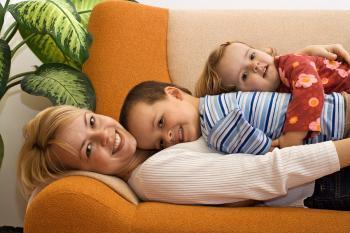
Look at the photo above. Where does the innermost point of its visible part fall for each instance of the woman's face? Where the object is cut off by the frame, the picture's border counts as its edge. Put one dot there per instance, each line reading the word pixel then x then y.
pixel 102 144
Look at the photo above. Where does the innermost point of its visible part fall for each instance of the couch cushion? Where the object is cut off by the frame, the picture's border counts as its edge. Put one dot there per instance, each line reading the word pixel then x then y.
pixel 129 46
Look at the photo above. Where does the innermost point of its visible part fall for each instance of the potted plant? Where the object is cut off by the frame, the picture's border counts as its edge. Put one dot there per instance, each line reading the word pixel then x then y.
pixel 56 32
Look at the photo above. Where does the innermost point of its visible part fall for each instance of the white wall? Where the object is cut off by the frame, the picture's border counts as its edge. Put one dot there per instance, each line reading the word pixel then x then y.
pixel 17 107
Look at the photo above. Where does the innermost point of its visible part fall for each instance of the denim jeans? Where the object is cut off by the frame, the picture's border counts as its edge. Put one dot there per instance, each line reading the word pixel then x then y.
pixel 331 192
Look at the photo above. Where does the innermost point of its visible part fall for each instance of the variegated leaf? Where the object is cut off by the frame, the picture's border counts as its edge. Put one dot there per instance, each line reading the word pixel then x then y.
pixel 2 16
pixel 57 18
pixel 5 65
pixel 85 5
pixel 45 48
pixel 2 149
pixel 61 84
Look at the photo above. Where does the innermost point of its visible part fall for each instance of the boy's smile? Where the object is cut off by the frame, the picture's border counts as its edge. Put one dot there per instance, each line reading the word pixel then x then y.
pixel 165 123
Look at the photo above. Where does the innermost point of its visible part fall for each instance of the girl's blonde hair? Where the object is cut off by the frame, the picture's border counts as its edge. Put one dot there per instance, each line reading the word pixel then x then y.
pixel 209 83
pixel 38 163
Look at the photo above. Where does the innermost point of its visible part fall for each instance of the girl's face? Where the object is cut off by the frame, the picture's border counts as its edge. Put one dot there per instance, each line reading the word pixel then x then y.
pixel 248 69
pixel 102 144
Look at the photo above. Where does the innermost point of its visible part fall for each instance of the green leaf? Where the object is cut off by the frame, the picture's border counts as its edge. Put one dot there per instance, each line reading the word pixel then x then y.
pixel 2 16
pixel 5 65
pixel 2 149
pixel 85 5
pixel 45 48
pixel 60 20
pixel 61 84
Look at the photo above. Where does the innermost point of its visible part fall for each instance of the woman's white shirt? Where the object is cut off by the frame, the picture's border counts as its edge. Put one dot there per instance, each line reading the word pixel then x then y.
pixel 191 173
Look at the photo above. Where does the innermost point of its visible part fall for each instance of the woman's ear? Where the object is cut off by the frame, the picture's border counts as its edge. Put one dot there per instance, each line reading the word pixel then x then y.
pixel 174 91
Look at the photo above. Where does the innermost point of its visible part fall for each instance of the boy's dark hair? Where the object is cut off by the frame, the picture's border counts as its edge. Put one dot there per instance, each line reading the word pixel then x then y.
pixel 147 92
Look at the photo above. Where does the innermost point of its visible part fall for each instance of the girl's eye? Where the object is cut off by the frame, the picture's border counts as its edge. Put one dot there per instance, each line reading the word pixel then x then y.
pixel 92 121
pixel 161 144
pixel 89 150
pixel 252 56
pixel 244 76
pixel 161 123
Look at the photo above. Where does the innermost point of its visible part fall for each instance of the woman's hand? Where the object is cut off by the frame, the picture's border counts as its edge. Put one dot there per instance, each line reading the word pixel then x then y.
pixel 331 51
pixel 289 139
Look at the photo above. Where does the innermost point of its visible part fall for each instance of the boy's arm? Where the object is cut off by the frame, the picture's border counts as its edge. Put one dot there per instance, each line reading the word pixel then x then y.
pixel 234 134
pixel 305 108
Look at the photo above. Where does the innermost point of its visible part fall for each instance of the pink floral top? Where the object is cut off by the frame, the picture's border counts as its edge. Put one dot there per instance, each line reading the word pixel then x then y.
pixel 308 78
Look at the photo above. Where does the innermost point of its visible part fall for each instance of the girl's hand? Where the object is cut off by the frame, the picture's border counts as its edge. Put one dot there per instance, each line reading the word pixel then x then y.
pixel 331 51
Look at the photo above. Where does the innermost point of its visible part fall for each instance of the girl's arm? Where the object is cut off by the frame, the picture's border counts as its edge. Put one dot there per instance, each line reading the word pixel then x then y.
pixel 331 51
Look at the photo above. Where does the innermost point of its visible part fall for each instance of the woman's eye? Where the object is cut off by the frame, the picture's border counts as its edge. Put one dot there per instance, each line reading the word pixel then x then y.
pixel 161 123
pixel 244 76
pixel 92 121
pixel 252 56
pixel 89 150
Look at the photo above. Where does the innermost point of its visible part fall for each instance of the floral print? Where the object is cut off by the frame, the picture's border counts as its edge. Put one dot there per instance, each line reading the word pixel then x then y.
pixel 305 80
pixel 308 78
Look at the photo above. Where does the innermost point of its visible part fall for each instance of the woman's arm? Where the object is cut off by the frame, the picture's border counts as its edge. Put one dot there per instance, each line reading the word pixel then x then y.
pixel 342 148
pixel 331 51
pixel 189 173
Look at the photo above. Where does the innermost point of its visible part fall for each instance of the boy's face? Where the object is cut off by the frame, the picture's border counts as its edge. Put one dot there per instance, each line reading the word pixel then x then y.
pixel 164 123
pixel 248 69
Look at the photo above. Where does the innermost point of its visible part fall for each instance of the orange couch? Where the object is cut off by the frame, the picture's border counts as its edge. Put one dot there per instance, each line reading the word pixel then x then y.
pixel 133 42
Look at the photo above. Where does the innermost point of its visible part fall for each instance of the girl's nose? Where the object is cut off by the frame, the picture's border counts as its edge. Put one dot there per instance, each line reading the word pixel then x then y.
pixel 256 66
pixel 168 138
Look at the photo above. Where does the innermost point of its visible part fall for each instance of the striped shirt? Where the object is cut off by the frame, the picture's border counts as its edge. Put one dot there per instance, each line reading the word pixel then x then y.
pixel 247 122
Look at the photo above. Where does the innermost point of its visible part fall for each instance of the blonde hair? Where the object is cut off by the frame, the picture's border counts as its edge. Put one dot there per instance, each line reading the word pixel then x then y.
pixel 209 82
pixel 38 163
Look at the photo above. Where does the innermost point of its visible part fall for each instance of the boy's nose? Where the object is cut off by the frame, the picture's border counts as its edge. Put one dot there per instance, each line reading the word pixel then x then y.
pixel 169 138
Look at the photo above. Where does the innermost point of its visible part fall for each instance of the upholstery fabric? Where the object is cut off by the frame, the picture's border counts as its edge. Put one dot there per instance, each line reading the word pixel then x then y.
pixel 131 43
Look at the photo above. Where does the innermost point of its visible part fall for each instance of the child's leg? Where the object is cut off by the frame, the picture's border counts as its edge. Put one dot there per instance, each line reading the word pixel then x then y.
pixel 347 114
pixel 331 192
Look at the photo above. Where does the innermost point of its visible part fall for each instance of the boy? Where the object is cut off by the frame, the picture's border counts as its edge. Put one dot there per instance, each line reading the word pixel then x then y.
pixel 160 115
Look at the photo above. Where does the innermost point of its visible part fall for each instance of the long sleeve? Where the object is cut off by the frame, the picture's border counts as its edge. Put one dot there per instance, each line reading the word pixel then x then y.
pixel 300 75
pixel 190 173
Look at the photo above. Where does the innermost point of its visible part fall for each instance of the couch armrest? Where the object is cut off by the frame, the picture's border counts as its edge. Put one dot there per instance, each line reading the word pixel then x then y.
pixel 82 204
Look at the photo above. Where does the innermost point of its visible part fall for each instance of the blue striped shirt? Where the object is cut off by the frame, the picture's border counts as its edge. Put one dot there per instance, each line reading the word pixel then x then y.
pixel 247 122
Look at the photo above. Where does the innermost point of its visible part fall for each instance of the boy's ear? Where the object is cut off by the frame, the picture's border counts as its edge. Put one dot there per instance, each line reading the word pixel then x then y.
pixel 174 91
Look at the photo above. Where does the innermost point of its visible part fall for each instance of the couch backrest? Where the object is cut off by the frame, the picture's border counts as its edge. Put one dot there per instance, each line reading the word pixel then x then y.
pixel 133 42
pixel 192 34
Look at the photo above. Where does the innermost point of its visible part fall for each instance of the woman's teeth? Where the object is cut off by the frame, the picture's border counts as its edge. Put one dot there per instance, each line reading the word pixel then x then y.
pixel 116 143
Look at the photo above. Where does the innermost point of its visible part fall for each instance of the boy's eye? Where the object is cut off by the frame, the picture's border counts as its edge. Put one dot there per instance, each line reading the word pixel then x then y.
pixel 161 123
pixel 252 56
pixel 92 121
pixel 161 144
pixel 89 150
pixel 244 76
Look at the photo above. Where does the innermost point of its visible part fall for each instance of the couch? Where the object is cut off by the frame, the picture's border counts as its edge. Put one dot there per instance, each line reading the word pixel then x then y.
pixel 133 42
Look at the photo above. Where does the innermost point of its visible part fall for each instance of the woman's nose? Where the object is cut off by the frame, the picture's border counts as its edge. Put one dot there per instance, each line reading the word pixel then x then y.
pixel 103 136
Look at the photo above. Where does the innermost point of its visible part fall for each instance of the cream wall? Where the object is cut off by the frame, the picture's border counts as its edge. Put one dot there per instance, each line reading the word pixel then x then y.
pixel 17 107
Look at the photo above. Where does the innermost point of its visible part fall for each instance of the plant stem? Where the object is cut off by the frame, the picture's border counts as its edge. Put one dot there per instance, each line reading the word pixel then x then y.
pixel 8 30
pixel 83 12
pixel 19 75
pixel 6 5
pixel 21 43
pixel 12 85
pixel 13 32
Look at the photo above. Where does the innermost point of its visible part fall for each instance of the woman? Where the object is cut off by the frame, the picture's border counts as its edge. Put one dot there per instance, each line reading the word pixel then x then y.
pixel 64 138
